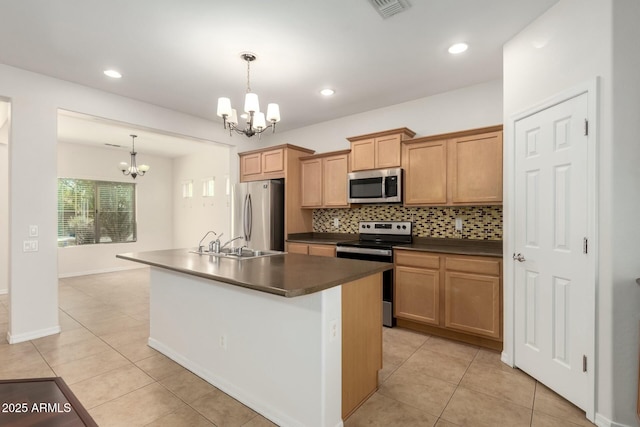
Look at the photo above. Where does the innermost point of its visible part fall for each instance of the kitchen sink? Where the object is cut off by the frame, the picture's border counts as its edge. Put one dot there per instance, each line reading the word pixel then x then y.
pixel 245 254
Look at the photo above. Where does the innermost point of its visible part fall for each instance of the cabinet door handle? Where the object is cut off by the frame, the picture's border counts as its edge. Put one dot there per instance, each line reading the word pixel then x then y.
pixel 519 257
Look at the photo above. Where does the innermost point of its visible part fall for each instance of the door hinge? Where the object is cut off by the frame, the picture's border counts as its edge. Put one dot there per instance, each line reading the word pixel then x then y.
pixel 584 363
pixel 586 127
pixel 585 245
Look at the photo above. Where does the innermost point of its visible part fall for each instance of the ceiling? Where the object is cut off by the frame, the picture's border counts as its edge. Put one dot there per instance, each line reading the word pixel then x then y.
pixel 184 54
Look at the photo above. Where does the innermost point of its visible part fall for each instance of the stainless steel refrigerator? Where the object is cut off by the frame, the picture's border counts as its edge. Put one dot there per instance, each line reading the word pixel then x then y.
pixel 257 214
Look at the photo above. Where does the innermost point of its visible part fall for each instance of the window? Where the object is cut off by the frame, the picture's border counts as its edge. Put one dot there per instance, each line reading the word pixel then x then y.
pixel 92 212
pixel 208 187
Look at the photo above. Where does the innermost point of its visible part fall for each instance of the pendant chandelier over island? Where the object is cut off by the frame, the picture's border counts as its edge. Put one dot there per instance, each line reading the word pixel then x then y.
pixel 256 123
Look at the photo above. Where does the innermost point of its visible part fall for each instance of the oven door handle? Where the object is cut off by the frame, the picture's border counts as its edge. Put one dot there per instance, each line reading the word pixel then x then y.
pixel 364 251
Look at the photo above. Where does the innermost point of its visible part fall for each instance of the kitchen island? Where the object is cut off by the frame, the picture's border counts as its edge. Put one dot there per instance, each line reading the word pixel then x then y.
pixel 296 338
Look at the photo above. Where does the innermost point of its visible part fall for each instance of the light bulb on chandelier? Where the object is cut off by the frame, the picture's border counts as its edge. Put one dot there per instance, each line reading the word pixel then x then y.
pixel 133 170
pixel 256 121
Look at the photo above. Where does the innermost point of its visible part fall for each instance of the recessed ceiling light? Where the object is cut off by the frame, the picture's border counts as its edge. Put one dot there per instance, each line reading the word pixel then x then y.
pixel 327 92
pixel 458 48
pixel 112 73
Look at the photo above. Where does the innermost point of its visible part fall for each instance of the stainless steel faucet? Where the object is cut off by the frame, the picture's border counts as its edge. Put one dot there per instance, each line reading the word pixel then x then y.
pixel 214 245
pixel 239 250
pixel 235 238
pixel 200 246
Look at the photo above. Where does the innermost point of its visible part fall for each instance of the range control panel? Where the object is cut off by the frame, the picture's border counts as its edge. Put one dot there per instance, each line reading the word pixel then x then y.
pixel 402 228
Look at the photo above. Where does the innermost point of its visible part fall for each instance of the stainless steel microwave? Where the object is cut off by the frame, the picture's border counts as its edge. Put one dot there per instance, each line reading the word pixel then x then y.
pixel 375 186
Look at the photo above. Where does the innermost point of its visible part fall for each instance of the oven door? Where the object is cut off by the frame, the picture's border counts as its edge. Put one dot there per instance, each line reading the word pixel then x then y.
pixel 380 255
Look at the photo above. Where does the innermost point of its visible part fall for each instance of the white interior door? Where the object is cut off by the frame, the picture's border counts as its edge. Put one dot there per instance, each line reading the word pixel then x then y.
pixel 554 288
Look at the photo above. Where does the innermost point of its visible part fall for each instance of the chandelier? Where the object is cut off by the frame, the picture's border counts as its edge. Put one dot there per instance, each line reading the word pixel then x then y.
pixel 133 170
pixel 256 123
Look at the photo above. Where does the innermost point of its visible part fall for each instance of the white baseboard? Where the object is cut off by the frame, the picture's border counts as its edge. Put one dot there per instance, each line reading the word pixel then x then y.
pixel 506 359
pixel 4 291
pixel 101 271
pixel 241 395
pixel 27 336
pixel 602 421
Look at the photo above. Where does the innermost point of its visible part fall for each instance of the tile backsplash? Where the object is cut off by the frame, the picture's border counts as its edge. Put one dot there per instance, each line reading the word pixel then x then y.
pixel 478 222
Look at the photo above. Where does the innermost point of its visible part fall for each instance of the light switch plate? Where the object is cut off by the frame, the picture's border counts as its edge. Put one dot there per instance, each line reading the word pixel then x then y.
pixel 458 224
pixel 33 231
pixel 30 246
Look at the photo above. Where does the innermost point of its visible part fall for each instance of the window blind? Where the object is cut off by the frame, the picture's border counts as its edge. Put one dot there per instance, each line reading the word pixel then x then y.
pixel 92 212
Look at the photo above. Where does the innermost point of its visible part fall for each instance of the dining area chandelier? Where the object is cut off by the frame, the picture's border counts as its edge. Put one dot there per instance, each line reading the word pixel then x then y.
pixel 133 169
pixel 256 121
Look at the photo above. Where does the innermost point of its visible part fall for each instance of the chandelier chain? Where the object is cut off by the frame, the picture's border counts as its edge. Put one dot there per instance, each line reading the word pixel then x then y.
pixel 248 76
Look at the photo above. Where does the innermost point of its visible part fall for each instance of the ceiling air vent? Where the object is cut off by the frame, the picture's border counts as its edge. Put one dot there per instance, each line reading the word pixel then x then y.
pixel 387 8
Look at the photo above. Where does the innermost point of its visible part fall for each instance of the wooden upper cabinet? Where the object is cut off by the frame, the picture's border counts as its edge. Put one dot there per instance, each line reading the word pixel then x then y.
pixel 268 163
pixel 388 151
pixel 379 150
pixel 311 176
pixel 462 168
pixel 324 180
pixel 250 166
pixel 273 161
pixel 425 171
pixel 363 155
pixel 475 168
pixel 335 169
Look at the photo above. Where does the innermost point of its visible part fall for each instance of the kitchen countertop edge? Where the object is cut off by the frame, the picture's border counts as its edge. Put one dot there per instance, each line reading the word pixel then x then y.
pixel 287 293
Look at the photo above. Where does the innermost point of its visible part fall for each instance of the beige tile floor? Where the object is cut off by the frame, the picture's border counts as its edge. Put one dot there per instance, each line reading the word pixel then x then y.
pixel 102 355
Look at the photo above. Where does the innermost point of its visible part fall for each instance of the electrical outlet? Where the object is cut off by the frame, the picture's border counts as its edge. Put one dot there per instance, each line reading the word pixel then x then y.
pixel 223 342
pixel 458 224
pixel 336 222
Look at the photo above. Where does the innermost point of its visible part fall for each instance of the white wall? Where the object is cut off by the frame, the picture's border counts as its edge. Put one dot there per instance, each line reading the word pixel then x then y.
pixel 467 108
pixel 193 217
pixel 624 182
pixel 154 205
pixel 35 100
pixel 4 197
pixel 578 39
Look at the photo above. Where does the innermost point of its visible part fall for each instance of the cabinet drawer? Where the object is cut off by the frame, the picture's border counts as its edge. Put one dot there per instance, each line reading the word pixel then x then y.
pixel 298 248
pixel 417 259
pixel 487 266
pixel 322 250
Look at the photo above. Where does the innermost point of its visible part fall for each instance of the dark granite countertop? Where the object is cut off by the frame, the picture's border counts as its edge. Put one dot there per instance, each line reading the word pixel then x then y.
pixel 321 238
pixel 287 275
pixel 427 244
pixel 456 246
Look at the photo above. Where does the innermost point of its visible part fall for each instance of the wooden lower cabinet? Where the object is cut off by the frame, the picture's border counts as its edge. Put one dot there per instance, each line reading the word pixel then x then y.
pixel 418 294
pixel 472 303
pixel 456 296
pixel 311 249
pixel 361 341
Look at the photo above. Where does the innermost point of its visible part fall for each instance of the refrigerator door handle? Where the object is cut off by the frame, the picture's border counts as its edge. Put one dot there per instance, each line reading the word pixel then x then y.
pixel 249 218
pixel 244 217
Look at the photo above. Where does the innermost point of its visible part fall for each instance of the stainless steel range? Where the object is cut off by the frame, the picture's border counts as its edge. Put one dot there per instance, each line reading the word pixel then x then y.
pixel 375 243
